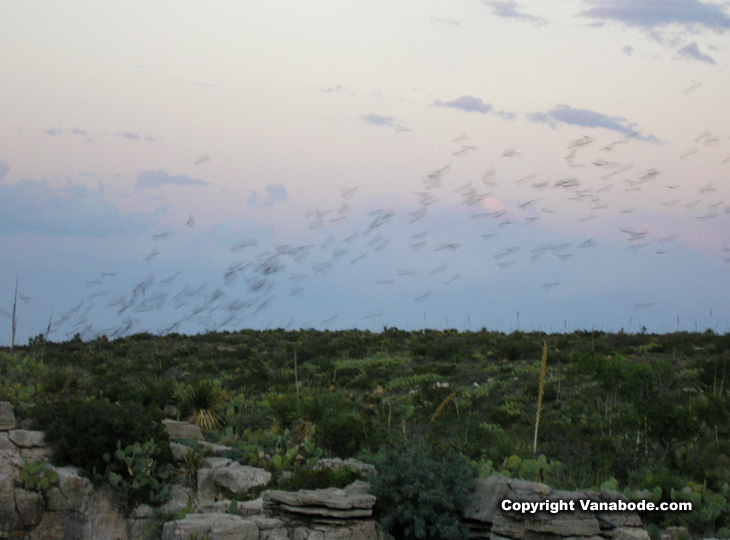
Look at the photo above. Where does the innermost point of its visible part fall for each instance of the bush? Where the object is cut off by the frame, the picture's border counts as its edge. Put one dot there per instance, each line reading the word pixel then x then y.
pixel 38 476
pixel 136 474
pixel 83 430
pixel 342 436
pixel 419 496
pixel 308 478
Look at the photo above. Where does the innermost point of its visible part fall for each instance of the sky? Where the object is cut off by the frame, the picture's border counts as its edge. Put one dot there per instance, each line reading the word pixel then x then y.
pixel 196 166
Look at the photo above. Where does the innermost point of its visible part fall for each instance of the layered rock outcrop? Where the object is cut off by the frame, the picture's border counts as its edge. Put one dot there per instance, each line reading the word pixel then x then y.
pixel 487 519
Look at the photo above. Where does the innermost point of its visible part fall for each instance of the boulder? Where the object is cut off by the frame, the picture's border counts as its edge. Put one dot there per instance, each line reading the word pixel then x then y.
pixel 223 477
pixel 178 430
pixel 239 480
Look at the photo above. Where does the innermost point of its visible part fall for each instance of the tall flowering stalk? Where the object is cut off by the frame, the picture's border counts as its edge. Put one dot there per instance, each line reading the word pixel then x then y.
pixel 543 368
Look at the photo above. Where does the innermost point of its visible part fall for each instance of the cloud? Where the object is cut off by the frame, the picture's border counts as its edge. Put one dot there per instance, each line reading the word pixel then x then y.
pixel 159 178
pixel 378 120
pixel 465 103
pixel 587 118
pixel 508 9
pixel 128 135
pixel 337 89
pixel 276 193
pixel 54 132
pixel 4 169
pixel 507 115
pixel 650 14
pixel 692 52
pixel 445 22
pixel 62 207
pixel 540 118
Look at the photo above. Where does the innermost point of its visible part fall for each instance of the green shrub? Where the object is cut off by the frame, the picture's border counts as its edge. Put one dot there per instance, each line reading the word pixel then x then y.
pixel 283 409
pixel 534 470
pixel 342 436
pixel 192 460
pixel 308 478
pixel 81 431
pixel 419 496
pixel 654 532
pixel 62 381
pixel 137 475
pixel 38 476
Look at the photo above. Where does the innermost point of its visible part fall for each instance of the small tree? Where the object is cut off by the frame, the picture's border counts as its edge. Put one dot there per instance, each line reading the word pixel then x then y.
pixel 420 497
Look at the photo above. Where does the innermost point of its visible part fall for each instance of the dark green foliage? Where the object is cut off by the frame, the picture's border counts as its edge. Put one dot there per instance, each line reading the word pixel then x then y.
pixel 62 381
pixel 83 430
pixel 308 478
pixel 343 435
pixel 419 496
pixel 152 391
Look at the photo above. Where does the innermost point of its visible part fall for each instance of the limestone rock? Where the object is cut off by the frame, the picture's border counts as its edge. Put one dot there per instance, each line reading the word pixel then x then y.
pixel 179 450
pixel 25 438
pixel 30 507
pixel 222 477
pixel 335 463
pixel 240 479
pixel 177 430
pixel 37 453
pixel 485 518
pixel 677 533
pixel 366 530
pixel 5 442
pixel 250 508
pixel 7 416
pixel 630 533
pixel 354 501
pixel 215 526
pixel 72 492
pixel 180 498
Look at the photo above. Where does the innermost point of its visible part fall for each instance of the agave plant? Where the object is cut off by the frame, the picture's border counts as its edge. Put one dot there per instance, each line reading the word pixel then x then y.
pixel 203 398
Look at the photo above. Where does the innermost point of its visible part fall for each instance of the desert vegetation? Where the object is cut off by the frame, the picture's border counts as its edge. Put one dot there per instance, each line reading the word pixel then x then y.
pixel 644 414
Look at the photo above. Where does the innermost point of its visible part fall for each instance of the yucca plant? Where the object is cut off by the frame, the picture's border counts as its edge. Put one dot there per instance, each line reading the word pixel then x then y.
pixel 203 398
